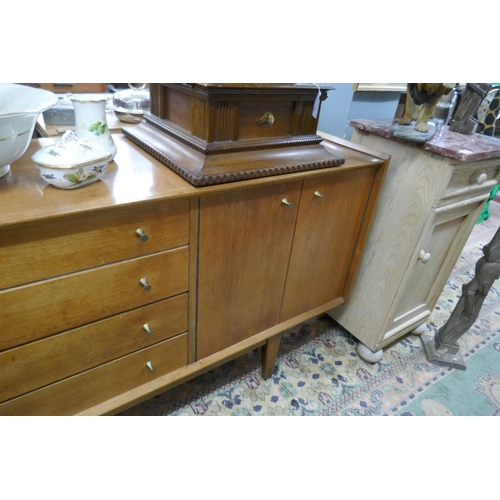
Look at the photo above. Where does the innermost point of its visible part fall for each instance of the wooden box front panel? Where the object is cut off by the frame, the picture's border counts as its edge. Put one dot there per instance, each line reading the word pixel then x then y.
pixel 228 114
pixel 177 108
pixel 245 242
pixel 252 111
pixel 328 227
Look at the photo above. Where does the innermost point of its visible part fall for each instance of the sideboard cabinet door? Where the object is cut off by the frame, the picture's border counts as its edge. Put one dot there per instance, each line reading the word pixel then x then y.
pixel 329 222
pixel 245 238
pixel 270 254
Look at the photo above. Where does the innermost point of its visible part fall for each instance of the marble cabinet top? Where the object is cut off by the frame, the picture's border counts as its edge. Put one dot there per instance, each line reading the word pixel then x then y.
pixel 460 147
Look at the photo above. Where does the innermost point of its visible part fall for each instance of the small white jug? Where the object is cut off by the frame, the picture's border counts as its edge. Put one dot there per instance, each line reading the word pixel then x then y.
pixel 90 121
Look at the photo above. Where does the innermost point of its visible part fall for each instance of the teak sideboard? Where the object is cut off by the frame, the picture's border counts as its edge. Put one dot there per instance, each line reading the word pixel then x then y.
pixel 115 292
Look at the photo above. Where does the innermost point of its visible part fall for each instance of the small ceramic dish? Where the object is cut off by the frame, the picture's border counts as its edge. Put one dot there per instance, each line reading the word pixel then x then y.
pixel 72 162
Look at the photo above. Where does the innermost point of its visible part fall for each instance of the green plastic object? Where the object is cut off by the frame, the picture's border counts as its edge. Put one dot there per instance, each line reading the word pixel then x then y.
pixel 486 209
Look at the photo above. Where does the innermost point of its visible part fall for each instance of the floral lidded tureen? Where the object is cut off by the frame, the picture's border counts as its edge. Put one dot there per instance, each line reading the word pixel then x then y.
pixel 72 162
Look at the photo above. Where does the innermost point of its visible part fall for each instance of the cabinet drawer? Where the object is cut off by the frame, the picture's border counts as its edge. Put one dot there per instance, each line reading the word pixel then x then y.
pixel 46 361
pixel 471 180
pixel 89 388
pixel 37 310
pixel 41 250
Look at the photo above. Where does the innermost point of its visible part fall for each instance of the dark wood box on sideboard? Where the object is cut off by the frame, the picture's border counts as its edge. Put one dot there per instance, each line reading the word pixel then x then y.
pixel 212 133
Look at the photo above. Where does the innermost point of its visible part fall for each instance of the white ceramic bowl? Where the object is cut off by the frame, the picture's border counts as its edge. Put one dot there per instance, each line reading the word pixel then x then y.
pixel 19 109
pixel 72 162
pixel 130 105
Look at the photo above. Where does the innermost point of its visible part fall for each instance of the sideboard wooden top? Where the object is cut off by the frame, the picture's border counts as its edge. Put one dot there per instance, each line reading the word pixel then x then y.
pixel 134 177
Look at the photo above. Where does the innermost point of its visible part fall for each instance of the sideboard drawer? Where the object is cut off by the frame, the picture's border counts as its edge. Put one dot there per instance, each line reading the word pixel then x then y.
pixel 46 361
pixel 34 311
pixel 41 250
pixel 89 388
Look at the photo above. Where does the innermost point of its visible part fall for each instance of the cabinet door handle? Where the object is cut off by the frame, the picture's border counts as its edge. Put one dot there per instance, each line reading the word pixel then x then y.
pixel 142 235
pixel 149 365
pixel 147 329
pixel 287 203
pixel 424 256
pixel 144 283
pixel 319 195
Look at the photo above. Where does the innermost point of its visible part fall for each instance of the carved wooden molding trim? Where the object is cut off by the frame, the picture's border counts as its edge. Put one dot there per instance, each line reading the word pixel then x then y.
pixel 201 179
pixel 251 93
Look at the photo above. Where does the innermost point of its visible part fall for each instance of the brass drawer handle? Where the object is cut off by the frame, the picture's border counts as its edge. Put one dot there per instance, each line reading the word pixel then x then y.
pixel 147 329
pixel 142 235
pixel 144 283
pixel 287 203
pixel 319 195
pixel 149 365
pixel 424 256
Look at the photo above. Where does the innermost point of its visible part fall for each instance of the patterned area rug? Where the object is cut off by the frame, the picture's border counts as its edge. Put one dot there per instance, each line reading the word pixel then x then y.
pixel 319 373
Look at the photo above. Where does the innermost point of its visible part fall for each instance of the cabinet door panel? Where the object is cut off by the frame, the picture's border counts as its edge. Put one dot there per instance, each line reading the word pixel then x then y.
pixel 244 249
pixel 441 245
pixel 328 225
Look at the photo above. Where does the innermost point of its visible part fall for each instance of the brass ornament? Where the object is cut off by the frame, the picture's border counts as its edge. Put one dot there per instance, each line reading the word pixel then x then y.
pixel 266 120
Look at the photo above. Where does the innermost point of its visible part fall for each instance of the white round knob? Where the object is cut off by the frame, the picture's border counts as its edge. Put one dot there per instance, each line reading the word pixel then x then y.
pixel 424 256
pixel 481 179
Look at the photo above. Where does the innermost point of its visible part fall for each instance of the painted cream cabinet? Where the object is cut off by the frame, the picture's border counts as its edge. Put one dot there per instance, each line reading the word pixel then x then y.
pixel 427 209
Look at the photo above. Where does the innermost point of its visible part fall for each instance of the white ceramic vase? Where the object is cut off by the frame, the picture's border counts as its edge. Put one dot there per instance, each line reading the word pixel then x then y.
pixel 90 121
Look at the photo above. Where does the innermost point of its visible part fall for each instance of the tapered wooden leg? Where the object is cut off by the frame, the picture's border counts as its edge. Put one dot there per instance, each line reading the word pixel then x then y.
pixel 269 351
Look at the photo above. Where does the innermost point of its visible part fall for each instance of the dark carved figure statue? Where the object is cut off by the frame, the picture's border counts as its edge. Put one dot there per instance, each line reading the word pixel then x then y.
pixel 444 348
